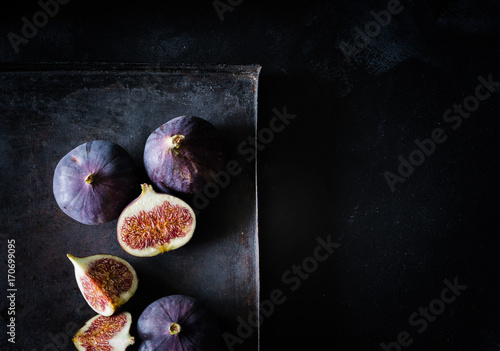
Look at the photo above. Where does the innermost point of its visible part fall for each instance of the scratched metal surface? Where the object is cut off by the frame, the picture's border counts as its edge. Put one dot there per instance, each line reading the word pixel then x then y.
pixel 45 111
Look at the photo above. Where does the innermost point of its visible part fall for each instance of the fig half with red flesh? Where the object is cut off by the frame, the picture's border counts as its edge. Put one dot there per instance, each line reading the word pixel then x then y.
pixel 106 281
pixel 105 333
pixel 155 223
pixel 178 323
pixel 184 154
pixel 95 181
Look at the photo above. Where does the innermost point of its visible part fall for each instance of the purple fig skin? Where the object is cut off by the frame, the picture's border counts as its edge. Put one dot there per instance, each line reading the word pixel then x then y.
pixel 199 329
pixel 95 181
pixel 187 163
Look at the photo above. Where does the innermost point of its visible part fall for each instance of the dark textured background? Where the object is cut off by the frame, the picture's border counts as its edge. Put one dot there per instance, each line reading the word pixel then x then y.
pixel 323 175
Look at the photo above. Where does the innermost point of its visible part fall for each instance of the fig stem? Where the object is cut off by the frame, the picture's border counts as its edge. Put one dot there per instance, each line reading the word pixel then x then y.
pixel 90 178
pixel 176 141
pixel 146 188
pixel 174 328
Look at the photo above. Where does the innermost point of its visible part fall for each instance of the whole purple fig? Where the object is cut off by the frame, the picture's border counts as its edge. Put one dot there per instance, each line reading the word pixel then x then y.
pixel 184 154
pixel 178 323
pixel 95 181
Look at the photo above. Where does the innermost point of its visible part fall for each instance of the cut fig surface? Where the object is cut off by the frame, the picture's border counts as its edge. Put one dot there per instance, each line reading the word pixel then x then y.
pixel 155 223
pixel 106 281
pixel 102 333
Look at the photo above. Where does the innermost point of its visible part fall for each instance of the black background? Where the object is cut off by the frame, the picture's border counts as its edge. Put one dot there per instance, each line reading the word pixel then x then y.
pixel 322 177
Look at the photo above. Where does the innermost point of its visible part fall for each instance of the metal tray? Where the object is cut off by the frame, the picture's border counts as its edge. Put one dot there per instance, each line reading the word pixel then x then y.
pixel 48 109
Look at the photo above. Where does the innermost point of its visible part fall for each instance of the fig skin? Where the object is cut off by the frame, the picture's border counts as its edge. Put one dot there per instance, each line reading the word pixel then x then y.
pixel 95 181
pixel 184 154
pixel 178 323
pixel 144 229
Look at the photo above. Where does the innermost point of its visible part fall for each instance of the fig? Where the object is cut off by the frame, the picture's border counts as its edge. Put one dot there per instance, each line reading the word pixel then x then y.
pixel 154 223
pixel 178 323
pixel 184 154
pixel 106 281
pixel 105 333
pixel 95 181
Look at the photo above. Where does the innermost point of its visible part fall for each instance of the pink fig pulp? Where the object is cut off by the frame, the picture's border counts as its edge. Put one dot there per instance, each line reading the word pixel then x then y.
pixel 155 223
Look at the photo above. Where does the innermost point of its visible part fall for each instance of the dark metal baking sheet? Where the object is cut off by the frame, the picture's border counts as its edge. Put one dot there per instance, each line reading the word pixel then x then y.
pixel 48 109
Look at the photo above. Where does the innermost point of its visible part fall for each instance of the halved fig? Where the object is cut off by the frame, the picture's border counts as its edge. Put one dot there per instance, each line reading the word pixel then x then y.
pixel 105 333
pixel 155 223
pixel 106 281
